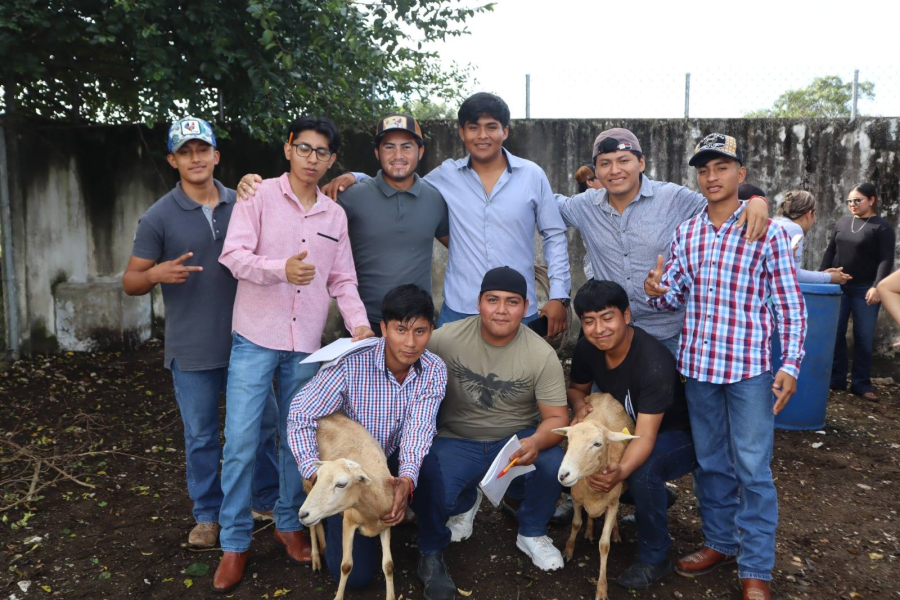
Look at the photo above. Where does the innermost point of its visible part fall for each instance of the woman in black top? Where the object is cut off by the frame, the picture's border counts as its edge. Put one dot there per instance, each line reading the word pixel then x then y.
pixel 863 245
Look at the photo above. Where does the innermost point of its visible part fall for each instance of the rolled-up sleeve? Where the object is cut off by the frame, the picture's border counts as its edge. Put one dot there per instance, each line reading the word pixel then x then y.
pixel 239 249
pixel 421 423
pixel 321 397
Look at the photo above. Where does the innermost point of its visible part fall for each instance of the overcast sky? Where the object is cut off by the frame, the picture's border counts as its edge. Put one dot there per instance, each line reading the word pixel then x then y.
pixel 589 58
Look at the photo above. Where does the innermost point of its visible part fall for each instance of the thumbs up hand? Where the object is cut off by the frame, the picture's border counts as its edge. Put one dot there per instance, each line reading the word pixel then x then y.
pixel 299 272
pixel 652 285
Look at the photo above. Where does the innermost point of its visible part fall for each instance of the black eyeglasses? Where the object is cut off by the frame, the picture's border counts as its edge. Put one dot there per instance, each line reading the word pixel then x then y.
pixel 856 200
pixel 304 150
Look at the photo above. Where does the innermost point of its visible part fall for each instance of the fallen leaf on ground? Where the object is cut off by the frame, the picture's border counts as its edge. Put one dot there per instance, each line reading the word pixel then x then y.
pixel 188 583
pixel 281 592
pixel 463 592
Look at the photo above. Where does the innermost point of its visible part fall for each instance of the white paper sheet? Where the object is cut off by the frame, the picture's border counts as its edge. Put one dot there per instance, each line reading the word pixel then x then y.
pixel 336 350
pixel 494 488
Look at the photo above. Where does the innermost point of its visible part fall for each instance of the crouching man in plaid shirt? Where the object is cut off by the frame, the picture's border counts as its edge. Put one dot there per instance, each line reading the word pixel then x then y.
pixel 726 284
pixel 393 389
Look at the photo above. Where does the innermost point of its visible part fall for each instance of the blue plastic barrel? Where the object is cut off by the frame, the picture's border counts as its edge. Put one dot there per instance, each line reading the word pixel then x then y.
pixel 806 409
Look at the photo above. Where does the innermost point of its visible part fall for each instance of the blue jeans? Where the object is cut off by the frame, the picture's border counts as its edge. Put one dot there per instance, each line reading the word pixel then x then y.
pixel 458 467
pixel 197 394
pixel 249 378
pixel 853 302
pixel 448 315
pixel 734 429
pixel 672 457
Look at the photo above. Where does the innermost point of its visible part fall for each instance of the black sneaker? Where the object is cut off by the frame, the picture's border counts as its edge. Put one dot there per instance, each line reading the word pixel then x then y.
pixel 434 576
pixel 641 575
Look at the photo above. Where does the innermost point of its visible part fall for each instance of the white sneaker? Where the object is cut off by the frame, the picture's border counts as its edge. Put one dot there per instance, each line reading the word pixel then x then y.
pixel 460 526
pixel 542 552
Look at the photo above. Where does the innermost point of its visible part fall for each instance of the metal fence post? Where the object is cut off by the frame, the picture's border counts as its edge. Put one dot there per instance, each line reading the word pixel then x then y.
pixel 855 95
pixel 527 95
pixel 687 95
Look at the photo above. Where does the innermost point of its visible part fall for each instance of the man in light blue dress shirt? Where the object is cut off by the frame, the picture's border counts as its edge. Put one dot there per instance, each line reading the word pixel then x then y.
pixel 495 200
pixel 629 223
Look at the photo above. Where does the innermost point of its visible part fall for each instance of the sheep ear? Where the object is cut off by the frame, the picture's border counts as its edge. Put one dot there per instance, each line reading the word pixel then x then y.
pixel 351 464
pixel 617 436
pixel 318 463
pixel 361 477
pixel 563 431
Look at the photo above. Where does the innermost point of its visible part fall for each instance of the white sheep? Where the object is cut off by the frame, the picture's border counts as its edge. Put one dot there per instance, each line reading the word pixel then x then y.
pixel 352 477
pixel 592 445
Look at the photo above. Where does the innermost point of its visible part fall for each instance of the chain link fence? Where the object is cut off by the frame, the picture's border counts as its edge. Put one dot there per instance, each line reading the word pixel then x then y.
pixel 653 92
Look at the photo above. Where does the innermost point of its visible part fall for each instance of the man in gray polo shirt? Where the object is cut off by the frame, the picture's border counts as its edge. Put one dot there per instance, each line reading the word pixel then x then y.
pixel 394 217
pixel 177 244
pixel 628 223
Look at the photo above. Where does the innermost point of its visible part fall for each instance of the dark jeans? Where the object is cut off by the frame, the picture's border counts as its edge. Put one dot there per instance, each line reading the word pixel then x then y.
pixel 853 302
pixel 672 457
pixel 455 471
pixel 367 550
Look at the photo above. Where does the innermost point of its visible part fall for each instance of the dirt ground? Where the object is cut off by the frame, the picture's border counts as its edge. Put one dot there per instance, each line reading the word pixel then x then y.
pixel 109 421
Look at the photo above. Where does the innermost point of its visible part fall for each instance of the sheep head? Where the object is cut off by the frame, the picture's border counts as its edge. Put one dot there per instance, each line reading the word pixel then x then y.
pixel 339 484
pixel 588 451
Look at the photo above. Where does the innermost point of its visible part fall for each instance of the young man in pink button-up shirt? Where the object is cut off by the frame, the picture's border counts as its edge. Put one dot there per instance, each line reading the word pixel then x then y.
pixel 289 250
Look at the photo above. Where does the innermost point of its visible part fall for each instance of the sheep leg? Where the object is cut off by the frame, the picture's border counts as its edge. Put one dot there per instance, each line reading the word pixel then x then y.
pixel 615 534
pixel 316 552
pixel 576 526
pixel 602 589
pixel 348 531
pixel 589 530
pixel 320 531
pixel 387 562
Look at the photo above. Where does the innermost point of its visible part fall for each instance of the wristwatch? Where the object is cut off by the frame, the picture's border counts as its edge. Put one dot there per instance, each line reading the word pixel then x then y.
pixel 564 301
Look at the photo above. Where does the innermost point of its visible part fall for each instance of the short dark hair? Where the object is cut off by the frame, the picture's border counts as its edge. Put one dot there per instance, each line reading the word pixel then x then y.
pixel 407 302
pixel 595 296
pixel 322 125
pixel 483 104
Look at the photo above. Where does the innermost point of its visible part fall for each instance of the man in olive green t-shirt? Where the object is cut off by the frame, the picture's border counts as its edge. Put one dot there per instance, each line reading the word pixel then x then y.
pixel 503 380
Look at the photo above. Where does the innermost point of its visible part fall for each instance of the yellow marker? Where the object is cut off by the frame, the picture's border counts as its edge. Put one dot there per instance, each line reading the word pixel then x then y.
pixel 626 432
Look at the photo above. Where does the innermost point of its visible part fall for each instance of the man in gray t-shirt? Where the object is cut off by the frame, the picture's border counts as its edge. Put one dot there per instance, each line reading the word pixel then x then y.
pixel 394 218
pixel 177 245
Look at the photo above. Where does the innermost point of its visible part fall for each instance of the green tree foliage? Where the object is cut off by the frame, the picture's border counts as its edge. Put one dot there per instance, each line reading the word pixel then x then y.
pixel 426 109
pixel 254 64
pixel 828 97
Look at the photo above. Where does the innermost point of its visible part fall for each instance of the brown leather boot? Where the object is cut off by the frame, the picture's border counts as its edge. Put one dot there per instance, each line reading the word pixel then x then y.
pixel 296 546
pixel 755 589
pixel 230 571
pixel 701 562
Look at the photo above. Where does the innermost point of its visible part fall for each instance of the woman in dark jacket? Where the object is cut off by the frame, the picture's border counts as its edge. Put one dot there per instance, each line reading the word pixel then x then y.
pixel 863 245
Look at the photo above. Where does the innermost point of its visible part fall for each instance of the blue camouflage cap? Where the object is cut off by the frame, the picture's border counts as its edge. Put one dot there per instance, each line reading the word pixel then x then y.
pixel 190 128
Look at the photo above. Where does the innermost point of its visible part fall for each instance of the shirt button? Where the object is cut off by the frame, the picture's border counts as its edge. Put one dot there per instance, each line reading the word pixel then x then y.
pixel 626 255
pixel 217 231
pixel 295 318
pixel 303 240
pixel 298 291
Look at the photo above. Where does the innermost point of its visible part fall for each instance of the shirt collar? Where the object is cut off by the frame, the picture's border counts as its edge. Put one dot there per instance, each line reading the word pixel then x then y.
pixel 389 191
pixel 382 366
pixel 646 190
pixel 733 218
pixel 185 201
pixel 512 161
pixel 322 201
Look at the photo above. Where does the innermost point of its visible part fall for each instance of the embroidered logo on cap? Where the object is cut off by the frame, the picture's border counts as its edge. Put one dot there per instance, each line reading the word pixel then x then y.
pixel 190 127
pixel 394 122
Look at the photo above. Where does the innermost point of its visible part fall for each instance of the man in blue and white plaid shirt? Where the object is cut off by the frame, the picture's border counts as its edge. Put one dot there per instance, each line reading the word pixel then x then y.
pixel 393 389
